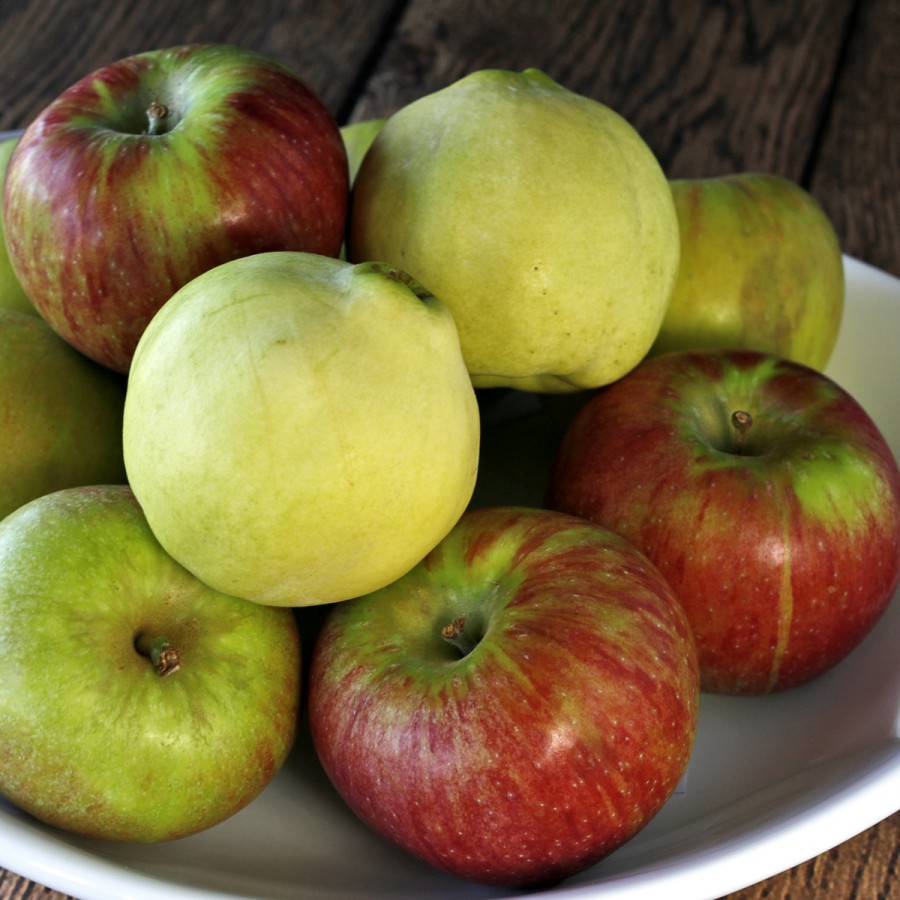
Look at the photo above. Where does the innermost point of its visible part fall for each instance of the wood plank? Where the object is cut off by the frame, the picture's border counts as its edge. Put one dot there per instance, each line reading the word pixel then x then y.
pixel 713 87
pixel 48 46
pixel 857 174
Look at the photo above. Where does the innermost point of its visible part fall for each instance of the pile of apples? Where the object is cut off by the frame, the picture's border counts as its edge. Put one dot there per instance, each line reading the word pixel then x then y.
pixel 243 354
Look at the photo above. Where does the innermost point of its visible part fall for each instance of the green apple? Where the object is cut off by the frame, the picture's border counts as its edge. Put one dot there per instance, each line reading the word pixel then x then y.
pixel 61 414
pixel 12 294
pixel 300 430
pixel 761 269
pixel 137 703
pixel 358 137
pixel 540 217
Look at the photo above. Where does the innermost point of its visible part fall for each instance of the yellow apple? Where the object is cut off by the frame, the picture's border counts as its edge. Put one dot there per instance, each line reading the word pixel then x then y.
pixel 12 294
pixel 61 414
pixel 761 269
pixel 300 430
pixel 358 137
pixel 540 217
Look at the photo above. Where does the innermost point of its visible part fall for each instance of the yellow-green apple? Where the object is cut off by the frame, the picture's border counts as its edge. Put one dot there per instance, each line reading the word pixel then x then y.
pixel 137 703
pixel 358 137
pixel 300 430
pixel 12 294
pixel 61 414
pixel 764 493
pixel 515 707
pixel 539 216
pixel 157 167
pixel 761 269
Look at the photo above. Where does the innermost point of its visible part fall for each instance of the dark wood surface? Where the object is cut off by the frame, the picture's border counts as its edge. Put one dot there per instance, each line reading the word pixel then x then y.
pixel 809 89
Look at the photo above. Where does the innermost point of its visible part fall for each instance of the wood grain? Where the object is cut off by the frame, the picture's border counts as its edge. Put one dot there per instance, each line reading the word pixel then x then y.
pixel 47 46
pixel 712 87
pixel 855 170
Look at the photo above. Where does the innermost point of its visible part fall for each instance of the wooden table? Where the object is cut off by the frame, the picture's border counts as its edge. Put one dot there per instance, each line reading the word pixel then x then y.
pixel 803 88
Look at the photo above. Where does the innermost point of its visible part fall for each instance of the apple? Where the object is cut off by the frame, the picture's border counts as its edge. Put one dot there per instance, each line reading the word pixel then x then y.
pixel 157 167
pixel 515 707
pixel 61 414
pixel 358 137
pixel 300 430
pixel 761 269
pixel 540 217
pixel 137 703
pixel 764 493
pixel 12 295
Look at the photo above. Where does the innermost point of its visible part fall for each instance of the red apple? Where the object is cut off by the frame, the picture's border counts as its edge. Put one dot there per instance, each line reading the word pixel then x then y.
pixel 515 707
pixel 155 168
pixel 779 532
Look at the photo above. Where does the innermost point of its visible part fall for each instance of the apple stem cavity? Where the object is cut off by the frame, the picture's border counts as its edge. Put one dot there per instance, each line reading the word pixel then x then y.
pixel 455 634
pixel 742 421
pixel 160 652
pixel 156 114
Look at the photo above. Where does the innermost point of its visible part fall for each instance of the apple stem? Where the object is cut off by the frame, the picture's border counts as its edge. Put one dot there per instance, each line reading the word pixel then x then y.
pixel 160 652
pixel 156 112
pixel 455 634
pixel 741 420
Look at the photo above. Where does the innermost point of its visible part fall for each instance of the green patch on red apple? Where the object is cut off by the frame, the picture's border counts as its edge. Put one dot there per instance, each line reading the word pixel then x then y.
pixel 781 536
pixel 516 706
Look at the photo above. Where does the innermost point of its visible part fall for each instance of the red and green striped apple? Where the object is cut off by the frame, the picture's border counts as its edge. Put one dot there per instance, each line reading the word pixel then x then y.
pixel 763 492
pixel 158 167
pixel 514 708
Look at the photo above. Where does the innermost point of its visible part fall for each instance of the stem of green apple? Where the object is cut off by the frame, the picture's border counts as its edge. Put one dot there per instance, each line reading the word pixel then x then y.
pixel 160 652
pixel 156 112
pixel 741 420
pixel 455 634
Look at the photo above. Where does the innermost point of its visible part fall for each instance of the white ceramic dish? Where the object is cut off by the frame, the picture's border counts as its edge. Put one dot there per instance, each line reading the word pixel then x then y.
pixel 772 781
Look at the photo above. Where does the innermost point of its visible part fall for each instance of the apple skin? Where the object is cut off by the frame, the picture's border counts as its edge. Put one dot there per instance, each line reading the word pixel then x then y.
pixel 761 269
pixel 94 739
pixel 784 554
pixel 300 430
pixel 358 137
pixel 12 294
pixel 61 414
pixel 545 747
pixel 105 221
pixel 539 216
